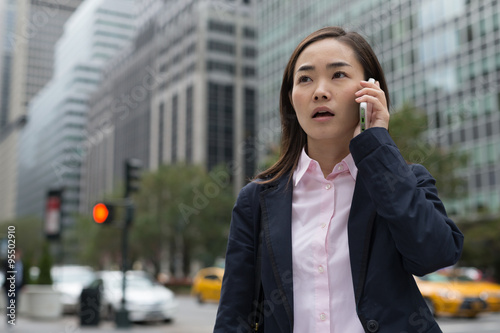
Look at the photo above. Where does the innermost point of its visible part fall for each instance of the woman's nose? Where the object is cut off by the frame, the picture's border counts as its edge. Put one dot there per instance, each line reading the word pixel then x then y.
pixel 321 93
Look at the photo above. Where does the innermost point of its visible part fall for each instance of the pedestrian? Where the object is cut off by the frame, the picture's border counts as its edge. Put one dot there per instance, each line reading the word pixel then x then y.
pixel 328 238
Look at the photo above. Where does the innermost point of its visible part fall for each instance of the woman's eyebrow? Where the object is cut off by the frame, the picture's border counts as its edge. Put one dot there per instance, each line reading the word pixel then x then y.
pixel 338 64
pixel 305 68
pixel 330 65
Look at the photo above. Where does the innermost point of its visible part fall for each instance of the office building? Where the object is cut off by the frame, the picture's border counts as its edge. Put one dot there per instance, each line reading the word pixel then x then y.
pixel 205 106
pixel 28 35
pixel 7 26
pixel 442 56
pixel 51 146
pixel 119 117
pixel 186 90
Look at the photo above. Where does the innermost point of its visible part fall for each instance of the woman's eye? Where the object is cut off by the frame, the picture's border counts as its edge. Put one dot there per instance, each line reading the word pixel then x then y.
pixel 339 75
pixel 304 79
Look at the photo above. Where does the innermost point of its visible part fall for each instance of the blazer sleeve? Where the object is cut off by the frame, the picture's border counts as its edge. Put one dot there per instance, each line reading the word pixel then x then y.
pixel 235 305
pixel 406 197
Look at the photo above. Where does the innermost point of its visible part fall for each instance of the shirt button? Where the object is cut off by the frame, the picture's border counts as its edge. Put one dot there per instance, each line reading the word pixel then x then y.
pixel 322 316
pixel 321 269
pixel 340 167
pixel 323 226
pixel 328 186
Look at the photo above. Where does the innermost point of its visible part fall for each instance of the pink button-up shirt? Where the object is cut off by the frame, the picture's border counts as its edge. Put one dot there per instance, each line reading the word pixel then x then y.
pixel 323 292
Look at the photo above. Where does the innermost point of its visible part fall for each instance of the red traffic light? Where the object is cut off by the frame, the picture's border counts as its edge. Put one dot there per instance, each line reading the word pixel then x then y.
pixel 102 213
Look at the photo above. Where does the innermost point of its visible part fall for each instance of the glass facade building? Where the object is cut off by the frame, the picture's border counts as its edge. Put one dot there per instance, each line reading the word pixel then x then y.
pixel 51 145
pixel 442 56
pixel 7 27
pixel 30 30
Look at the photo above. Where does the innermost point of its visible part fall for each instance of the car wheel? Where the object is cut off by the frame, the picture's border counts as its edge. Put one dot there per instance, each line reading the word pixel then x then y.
pixel 431 307
pixel 200 299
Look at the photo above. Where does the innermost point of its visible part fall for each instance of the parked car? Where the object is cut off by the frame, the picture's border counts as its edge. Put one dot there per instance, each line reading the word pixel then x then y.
pixel 146 299
pixel 451 298
pixel 69 281
pixel 207 284
pixel 488 291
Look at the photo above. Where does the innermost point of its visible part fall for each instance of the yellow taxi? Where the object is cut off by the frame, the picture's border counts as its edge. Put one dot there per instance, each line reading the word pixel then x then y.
pixel 207 284
pixel 488 291
pixel 447 297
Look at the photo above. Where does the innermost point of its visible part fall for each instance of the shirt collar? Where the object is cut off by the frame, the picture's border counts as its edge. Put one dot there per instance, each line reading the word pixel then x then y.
pixel 351 165
pixel 305 163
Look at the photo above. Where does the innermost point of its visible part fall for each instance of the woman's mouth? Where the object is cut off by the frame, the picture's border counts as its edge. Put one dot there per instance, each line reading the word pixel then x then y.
pixel 321 114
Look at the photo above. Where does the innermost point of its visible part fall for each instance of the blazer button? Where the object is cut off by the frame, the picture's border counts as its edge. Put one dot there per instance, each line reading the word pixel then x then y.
pixel 372 325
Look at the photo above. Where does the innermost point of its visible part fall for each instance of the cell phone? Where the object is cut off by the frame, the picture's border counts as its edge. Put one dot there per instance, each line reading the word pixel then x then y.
pixel 365 109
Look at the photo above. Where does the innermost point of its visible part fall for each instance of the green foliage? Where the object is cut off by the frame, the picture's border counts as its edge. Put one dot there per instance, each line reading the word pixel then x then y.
pixel 179 210
pixel 45 266
pixel 272 156
pixel 29 237
pixel 482 244
pixel 98 245
pixel 182 209
pixel 408 128
pixel 29 240
pixel 26 271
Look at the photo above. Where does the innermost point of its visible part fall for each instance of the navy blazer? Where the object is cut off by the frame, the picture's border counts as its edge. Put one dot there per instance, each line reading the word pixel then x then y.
pixel 397 228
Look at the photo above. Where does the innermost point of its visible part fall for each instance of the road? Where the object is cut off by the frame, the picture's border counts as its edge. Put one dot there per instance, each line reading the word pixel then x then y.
pixel 195 318
pixel 486 323
pixel 191 318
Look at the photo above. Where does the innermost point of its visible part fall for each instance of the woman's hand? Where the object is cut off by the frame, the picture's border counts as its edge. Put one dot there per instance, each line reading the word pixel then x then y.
pixel 379 115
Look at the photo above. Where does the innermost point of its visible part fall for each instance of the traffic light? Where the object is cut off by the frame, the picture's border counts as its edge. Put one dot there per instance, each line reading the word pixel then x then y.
pixel 132 176
pixel 103 213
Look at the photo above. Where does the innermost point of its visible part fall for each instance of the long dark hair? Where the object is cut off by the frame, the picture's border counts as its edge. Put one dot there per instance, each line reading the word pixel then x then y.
pixel 293 137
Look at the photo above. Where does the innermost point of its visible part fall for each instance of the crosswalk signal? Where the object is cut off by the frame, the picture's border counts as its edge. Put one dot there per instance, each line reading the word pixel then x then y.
pixel 133 168
pixel 103 213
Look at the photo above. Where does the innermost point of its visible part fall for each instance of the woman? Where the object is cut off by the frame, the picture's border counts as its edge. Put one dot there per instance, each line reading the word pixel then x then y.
pixel 345 221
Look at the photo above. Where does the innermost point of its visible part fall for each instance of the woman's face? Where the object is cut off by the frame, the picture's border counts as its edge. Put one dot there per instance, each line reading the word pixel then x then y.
pixel 326 77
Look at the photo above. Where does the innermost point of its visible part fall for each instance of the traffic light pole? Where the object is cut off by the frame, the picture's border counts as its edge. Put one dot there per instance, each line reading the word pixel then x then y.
pixel 132 170
pixel 122 320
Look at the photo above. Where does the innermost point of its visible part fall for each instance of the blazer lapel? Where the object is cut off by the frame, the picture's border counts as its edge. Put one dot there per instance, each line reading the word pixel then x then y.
pixel 361 219
pixel 276 204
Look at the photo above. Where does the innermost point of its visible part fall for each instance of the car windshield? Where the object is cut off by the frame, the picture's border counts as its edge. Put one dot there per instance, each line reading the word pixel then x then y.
pixel 434 277
pixel 463 278
pixel 83 277
pixel 135 282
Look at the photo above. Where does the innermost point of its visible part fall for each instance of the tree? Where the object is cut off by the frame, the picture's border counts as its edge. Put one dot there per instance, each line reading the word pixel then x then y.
pixel 99 246
pixel 183 213
pixel 45 276
pixel 29 240
pixel 482 244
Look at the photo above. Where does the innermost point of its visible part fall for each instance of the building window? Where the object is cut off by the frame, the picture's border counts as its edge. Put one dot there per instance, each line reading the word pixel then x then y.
pixel 175 103
pixel 222 47
pixel 249 52
pixel 217 66
pixel 189 124
pixel 249 33
pixel 249 126
pixel 220 124
pixel 160 133
pixel 226 28
pixel 248 71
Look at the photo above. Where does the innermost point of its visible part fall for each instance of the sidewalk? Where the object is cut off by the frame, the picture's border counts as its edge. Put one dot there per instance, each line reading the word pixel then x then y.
pixel 70 324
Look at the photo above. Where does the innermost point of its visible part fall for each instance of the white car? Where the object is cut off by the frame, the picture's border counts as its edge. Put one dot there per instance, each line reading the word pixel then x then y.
pixel 69 281
pixel 146 299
